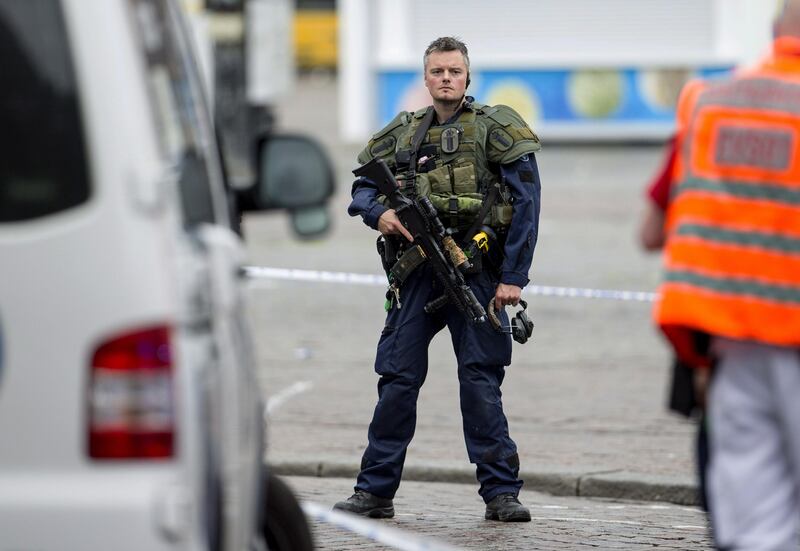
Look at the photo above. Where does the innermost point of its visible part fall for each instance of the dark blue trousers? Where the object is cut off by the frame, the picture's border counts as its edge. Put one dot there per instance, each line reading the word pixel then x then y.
pixel 402 363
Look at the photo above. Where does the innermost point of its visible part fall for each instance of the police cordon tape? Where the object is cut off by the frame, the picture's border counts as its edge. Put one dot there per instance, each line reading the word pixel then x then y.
pixel 373 530
pixel 379 280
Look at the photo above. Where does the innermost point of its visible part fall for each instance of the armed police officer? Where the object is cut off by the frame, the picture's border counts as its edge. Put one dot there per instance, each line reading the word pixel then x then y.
pixel 476 165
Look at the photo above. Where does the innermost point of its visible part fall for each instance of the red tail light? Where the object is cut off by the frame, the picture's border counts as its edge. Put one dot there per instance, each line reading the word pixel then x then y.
pixel 131 413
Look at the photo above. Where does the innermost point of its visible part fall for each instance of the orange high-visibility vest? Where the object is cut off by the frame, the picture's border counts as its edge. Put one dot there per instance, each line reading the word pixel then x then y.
pixel 732 256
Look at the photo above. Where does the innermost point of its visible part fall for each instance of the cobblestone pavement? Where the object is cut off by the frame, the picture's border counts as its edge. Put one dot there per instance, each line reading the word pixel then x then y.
pixel 453 513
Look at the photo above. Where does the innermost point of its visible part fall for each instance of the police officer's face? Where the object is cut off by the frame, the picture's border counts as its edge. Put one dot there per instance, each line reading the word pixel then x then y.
pixel 446 75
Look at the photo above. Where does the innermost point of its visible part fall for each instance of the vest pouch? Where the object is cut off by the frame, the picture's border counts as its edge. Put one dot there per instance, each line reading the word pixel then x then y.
pixel 423 185
pixel 464 181
pixel 466 207
pixel 440 181
pixel 470 203
pixel 501 216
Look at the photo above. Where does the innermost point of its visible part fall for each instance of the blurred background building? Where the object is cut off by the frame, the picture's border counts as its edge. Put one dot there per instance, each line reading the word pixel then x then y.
pixel 315 35
pixel 575 69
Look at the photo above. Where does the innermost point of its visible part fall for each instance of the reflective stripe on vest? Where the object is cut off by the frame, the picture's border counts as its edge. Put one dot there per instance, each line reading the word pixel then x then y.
pixel 732 257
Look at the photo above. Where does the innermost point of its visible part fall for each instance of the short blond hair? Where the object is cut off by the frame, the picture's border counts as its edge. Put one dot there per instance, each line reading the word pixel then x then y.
pixel 446 44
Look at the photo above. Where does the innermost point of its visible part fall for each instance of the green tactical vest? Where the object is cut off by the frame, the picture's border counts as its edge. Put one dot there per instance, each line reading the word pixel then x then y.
pixel 465 151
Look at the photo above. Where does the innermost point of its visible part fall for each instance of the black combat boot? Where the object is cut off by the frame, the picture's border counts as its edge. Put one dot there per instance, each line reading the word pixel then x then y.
pixel 366 504
pixel 507 508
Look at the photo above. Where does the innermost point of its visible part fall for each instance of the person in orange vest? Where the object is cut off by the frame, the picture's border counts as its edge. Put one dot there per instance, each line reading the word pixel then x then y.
pixel 686 396
pixel 651 229
pixel 731 290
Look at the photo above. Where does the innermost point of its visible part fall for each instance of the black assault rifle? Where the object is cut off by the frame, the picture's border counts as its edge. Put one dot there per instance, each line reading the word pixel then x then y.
pixel 419 217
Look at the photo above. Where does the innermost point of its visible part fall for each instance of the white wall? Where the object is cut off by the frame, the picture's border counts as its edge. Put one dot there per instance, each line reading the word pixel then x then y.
pixel 521 34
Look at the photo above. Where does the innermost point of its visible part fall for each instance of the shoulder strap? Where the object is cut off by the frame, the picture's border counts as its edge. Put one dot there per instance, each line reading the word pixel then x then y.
pixel 419 135
pixel 488 110
pixel 416 141
pixel 478 106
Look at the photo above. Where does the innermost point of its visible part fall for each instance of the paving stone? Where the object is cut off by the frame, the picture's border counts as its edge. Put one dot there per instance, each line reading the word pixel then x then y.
pixel 453 514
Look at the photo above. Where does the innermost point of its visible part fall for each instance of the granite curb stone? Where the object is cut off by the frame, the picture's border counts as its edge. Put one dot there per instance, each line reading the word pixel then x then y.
pixel 608 484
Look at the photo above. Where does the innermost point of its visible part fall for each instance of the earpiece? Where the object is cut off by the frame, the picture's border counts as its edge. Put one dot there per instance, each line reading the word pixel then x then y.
pixel 521 325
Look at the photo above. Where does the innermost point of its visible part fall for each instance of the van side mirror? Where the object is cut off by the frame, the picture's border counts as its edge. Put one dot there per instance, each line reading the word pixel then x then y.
pixel 294 174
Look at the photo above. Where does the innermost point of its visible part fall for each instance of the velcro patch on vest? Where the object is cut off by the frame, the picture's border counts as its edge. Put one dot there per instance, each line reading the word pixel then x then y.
pixel 450 140
pixel 382 147
pixel 500 139
pixel 754 147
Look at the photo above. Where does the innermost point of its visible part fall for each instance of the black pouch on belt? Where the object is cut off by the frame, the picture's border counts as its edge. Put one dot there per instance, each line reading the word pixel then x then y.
pixel 407 263
pixel 387 251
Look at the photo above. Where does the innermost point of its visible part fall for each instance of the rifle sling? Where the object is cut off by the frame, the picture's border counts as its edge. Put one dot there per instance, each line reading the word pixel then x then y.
pixel 414 256
pixel 419 135
pixel 488 203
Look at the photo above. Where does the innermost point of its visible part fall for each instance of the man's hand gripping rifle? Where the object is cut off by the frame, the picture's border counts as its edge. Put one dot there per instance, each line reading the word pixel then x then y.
pixel 418 215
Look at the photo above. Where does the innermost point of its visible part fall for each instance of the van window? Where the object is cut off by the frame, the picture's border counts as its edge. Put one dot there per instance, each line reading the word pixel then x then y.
pixel 179 111
pixel 42 156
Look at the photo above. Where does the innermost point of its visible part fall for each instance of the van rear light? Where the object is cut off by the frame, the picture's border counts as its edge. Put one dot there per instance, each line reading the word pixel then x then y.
pixel 131 401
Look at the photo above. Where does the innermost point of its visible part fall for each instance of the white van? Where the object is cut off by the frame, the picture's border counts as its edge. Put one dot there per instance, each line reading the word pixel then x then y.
pixel 130 417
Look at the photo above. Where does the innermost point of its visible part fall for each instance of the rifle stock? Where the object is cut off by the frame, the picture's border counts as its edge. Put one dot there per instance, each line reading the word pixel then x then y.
pixel 418 215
